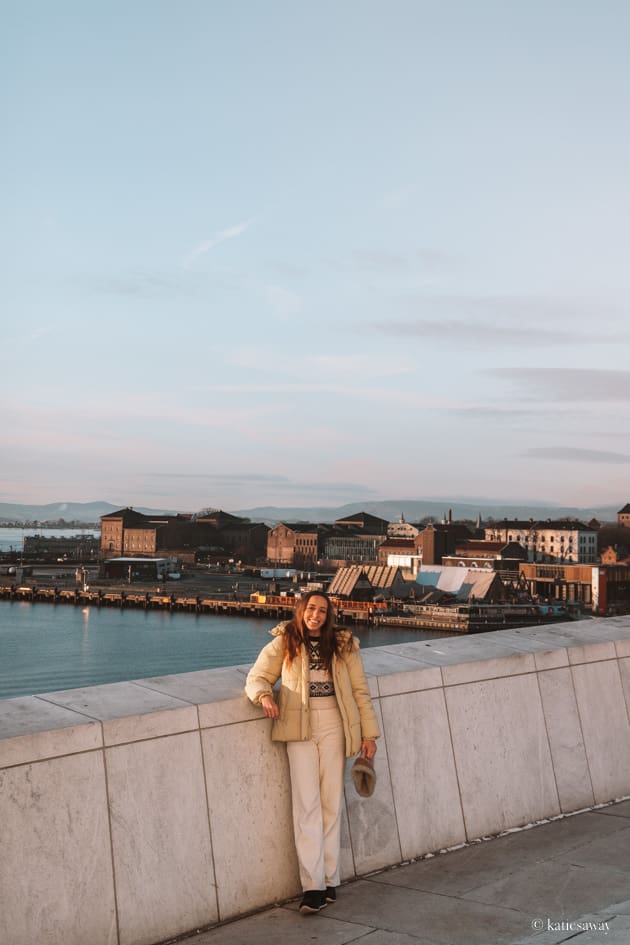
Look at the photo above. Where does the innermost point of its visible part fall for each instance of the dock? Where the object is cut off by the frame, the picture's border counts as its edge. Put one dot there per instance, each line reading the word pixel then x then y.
pixel 276 606
pixel 458 618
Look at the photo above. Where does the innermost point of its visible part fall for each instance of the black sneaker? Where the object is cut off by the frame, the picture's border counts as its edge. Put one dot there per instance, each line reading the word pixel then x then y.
pixel 331 894
pixel 313 901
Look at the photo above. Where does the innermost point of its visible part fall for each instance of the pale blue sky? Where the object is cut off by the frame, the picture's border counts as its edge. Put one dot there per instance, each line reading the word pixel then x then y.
pixel 310 253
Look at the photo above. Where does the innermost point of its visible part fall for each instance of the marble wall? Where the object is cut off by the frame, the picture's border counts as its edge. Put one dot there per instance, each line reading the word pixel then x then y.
pixel 136 812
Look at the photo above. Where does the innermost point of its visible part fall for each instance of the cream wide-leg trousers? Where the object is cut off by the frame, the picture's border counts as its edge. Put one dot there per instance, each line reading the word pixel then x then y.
pixel 317 772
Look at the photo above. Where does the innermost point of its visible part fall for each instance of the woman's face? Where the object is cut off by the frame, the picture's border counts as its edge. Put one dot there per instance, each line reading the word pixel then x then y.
pixel 315 614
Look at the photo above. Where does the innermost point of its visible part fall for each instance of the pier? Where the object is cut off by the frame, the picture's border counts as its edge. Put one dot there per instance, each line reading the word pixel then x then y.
pixel 265 605
pixel 468 618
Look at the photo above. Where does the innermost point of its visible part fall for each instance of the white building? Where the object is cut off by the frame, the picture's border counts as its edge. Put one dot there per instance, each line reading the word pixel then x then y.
pixel 555 542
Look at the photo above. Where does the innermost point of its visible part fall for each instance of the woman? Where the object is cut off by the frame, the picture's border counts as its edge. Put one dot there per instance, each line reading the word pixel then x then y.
pixel 324 714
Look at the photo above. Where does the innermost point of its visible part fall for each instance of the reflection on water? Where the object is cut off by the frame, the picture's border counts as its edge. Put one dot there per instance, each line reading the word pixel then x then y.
pixel 45 647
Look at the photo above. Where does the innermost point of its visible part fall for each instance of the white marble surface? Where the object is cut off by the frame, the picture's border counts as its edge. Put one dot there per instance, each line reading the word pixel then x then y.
pixel 411 680
pixel 624 674
pixel 424 782
pixel 56 874
pixel 511 665
pixel 592 652
pixel 372 824
pixel 129 712
pixel 201 686
pixel 568 754
pixel 249 799
pixel 160 838
pixel 604 718
pixel 551 659
pixel 32 729
pixel 502 754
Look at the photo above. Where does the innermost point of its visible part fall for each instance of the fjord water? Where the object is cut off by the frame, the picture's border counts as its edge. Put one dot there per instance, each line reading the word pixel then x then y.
pixel 46 647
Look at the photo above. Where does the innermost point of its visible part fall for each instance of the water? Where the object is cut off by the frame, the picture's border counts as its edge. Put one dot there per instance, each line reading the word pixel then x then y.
pixel 12 539
pixel 47 647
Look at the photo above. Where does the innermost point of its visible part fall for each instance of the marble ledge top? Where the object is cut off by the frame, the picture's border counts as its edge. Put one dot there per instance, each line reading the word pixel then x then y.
pixel 49 724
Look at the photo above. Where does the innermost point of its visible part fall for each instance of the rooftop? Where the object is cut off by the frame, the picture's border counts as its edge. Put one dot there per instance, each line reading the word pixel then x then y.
pixel 567 879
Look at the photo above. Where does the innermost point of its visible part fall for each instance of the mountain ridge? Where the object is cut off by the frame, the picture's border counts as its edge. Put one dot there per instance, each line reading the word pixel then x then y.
pixel 391 509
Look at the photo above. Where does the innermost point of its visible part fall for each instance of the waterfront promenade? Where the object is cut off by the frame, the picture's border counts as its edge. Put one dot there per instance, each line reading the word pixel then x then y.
pixel 566 880
pixel 142 812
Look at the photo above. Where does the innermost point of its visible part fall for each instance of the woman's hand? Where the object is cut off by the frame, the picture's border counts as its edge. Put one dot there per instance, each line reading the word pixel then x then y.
pixel 368 748
pixel 270 708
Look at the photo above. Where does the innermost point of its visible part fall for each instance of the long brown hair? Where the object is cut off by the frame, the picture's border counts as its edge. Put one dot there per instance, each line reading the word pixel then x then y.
pixel 295 632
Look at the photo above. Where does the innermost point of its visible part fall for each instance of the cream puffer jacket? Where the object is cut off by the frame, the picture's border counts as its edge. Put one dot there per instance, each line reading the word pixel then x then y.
pixel 351 690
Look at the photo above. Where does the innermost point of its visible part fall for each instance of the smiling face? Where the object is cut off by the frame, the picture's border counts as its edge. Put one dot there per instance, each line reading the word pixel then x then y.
pixel 315 614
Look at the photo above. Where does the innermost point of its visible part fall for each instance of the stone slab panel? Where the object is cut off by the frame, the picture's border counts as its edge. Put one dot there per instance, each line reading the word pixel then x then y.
pixel 236 709
pixel 453 650
pixel 249 800
pixel 373 830
pixel 441 919
pixel 459 871
pixel 605 726
pixel 160 838
pixel 568 754
pixel 502 754
pixel 56 877
pixel 201 686
pixel 555 889
pixel 286 927
pixel 551 659
pixel 621 809
pixel 410 680
pixel 513 665
pixel 32 729
pixel 422 769
pixel 609 851
pixel 624 673
pixel 382 660
pixel 592 653
pixel 622 648
pixel 129 712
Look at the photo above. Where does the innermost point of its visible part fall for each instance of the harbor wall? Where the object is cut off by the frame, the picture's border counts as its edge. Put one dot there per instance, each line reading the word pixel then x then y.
pixel 135 812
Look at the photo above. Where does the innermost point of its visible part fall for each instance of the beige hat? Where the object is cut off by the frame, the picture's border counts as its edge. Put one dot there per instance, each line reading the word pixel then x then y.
pixel 364 776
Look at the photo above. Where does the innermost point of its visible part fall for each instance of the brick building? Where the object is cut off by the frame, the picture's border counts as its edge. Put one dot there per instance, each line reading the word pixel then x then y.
pixel 131 533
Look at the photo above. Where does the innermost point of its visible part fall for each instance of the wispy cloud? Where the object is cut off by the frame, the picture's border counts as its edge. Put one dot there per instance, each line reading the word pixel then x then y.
pixel 575 455
pixel 482 334
pixel 142 285
pixel 221 236
pixel 569 384
pixel 222 477
pixel 479 321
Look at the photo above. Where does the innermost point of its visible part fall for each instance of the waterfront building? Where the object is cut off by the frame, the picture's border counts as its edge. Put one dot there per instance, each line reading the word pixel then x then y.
pixel 623 516
pixel 486 554
pixel 434 583
pixel 347 546
pixel 79 548
pixel 439 539
pixel 401 553
pixel 403 529
pixel 561 541
pixel 369 524
pixel 296 544
pixel 213 533
pixel 369 582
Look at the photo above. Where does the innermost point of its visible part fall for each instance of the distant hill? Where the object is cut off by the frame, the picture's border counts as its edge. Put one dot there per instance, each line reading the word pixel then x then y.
pixel 416 509
pixel 413 510
pixel 88 512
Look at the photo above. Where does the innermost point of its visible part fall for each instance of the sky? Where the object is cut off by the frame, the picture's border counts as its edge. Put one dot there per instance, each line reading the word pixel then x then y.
pixel 296 253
